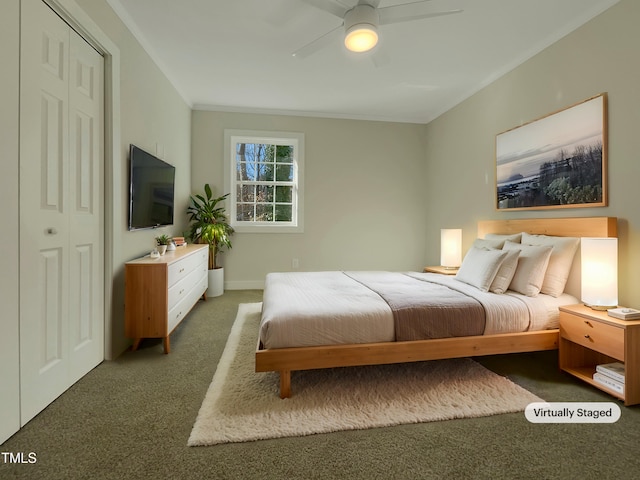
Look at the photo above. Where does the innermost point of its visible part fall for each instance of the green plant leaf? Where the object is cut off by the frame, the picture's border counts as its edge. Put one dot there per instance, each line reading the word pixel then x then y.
pixel 209 223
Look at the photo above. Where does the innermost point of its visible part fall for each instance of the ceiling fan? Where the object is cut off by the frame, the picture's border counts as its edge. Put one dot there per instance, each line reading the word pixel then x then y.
pixel 360 21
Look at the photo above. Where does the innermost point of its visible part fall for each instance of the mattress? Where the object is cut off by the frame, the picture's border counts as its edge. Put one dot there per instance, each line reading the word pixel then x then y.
pixel 302 309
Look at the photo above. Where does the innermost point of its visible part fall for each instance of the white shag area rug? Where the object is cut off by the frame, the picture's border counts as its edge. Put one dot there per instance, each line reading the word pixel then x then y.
pixel 242 405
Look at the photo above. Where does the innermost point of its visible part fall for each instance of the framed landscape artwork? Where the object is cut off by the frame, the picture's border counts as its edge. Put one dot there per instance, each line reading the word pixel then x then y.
pixel 558 161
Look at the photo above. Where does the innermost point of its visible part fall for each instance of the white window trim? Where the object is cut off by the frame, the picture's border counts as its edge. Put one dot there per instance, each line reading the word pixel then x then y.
pixel 231 137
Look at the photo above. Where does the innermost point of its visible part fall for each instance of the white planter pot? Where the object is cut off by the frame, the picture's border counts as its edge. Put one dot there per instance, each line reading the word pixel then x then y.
pixel 216 282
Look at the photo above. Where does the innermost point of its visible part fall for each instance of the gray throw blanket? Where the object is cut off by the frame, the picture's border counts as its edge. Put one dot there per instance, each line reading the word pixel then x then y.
pixel 424 310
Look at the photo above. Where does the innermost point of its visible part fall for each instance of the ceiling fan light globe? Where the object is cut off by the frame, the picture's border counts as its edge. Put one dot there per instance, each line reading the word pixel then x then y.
pixel 361 38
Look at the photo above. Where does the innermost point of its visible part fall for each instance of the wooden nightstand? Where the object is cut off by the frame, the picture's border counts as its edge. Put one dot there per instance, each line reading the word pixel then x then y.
pixel 441 270
pixel 589 338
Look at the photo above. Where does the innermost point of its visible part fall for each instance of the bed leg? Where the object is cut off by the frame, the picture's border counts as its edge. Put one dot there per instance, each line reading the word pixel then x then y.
pixel 285 383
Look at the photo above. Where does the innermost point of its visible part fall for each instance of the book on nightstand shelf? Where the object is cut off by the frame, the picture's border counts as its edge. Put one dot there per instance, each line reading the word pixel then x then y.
pixel 609 382
pixel 613 370
pixel 624 313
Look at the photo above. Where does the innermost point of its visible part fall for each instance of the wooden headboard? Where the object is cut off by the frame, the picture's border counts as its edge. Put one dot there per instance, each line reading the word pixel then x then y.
pixel 560 227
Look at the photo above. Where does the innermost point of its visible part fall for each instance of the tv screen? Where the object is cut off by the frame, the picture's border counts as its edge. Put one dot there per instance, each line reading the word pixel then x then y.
pixel 151 184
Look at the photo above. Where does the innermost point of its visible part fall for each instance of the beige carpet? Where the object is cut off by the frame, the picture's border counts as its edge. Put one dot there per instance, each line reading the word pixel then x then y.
pixel 242 405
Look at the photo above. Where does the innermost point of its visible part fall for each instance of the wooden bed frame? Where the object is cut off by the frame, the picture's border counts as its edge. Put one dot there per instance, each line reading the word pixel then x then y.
pixel 286 360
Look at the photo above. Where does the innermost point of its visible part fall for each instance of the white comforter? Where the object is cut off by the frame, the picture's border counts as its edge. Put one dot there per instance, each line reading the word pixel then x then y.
pixel 302 309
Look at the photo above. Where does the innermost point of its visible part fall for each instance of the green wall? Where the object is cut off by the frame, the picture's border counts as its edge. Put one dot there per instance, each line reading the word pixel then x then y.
pixel 601 56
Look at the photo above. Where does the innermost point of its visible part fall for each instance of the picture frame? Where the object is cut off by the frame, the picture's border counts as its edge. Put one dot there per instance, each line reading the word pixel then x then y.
pixel 557 161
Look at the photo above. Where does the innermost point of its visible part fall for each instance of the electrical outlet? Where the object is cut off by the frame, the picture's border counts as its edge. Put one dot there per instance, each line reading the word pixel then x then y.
pixel 295 263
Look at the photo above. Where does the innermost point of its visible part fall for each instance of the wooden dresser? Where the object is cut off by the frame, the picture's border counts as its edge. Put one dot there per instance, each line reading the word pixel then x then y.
pixel 159 292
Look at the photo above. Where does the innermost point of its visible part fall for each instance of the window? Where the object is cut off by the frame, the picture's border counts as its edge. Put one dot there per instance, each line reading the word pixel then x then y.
pixel 264 179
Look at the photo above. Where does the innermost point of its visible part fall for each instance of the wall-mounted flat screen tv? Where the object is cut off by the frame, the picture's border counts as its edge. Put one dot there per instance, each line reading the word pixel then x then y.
pixel 151 185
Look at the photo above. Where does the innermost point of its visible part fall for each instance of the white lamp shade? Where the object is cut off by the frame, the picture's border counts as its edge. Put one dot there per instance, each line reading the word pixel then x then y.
pixel 451 247
pixel 599 266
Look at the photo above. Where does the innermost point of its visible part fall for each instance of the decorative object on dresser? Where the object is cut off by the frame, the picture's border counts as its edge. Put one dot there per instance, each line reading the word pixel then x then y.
pixel 209 224
pixel 599 273
pixel 162 242
pixel 591 341
pixel 160 292
pixel 179 241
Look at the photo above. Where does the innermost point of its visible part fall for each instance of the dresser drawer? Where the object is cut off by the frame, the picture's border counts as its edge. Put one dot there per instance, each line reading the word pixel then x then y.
pixel 178 291
pixel 179 270
pixel 601 337
pixel 178 312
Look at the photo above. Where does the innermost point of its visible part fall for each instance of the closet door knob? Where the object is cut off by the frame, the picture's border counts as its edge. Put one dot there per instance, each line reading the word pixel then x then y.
pixel 51 231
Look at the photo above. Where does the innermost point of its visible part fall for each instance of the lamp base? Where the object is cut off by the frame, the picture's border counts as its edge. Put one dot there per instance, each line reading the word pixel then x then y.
pixel 600 308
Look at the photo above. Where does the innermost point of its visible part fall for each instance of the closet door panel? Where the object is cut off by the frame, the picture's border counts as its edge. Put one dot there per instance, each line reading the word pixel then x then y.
pixel 44 219
pixel 61 204
pixel 86 315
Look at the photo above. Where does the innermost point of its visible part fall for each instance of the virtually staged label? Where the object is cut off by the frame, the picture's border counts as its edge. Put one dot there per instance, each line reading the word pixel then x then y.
pixel 572 412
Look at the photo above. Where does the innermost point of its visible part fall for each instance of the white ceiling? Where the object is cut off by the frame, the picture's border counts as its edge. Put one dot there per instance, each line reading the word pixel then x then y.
pixel 236 55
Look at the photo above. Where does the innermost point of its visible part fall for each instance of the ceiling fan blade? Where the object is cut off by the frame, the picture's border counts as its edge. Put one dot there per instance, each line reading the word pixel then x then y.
pixel 381 58
pixel 332 6
pixel 411 11
pixel 319 43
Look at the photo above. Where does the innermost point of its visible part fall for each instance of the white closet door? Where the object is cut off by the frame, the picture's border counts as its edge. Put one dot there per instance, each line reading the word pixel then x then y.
pixel 61 266
pixel 86 193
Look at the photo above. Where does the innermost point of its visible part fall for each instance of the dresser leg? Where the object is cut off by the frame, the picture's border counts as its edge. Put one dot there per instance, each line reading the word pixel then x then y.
pixel 167 345
pixel 136 344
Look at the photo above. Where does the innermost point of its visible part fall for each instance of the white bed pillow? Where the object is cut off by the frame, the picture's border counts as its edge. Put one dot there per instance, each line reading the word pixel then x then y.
pixel 480 266
pixel 513 237
pixel 506 272
pixel 532 265
pixel 488 243
pixel 564 249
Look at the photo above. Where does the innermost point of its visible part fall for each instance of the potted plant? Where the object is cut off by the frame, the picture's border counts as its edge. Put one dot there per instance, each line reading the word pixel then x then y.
pixel 162 241
pixel 209 225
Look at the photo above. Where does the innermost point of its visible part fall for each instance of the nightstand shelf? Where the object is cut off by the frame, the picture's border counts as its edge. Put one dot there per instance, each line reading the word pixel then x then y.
pixel 586 374
pixel 589 338
pixel 441 270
